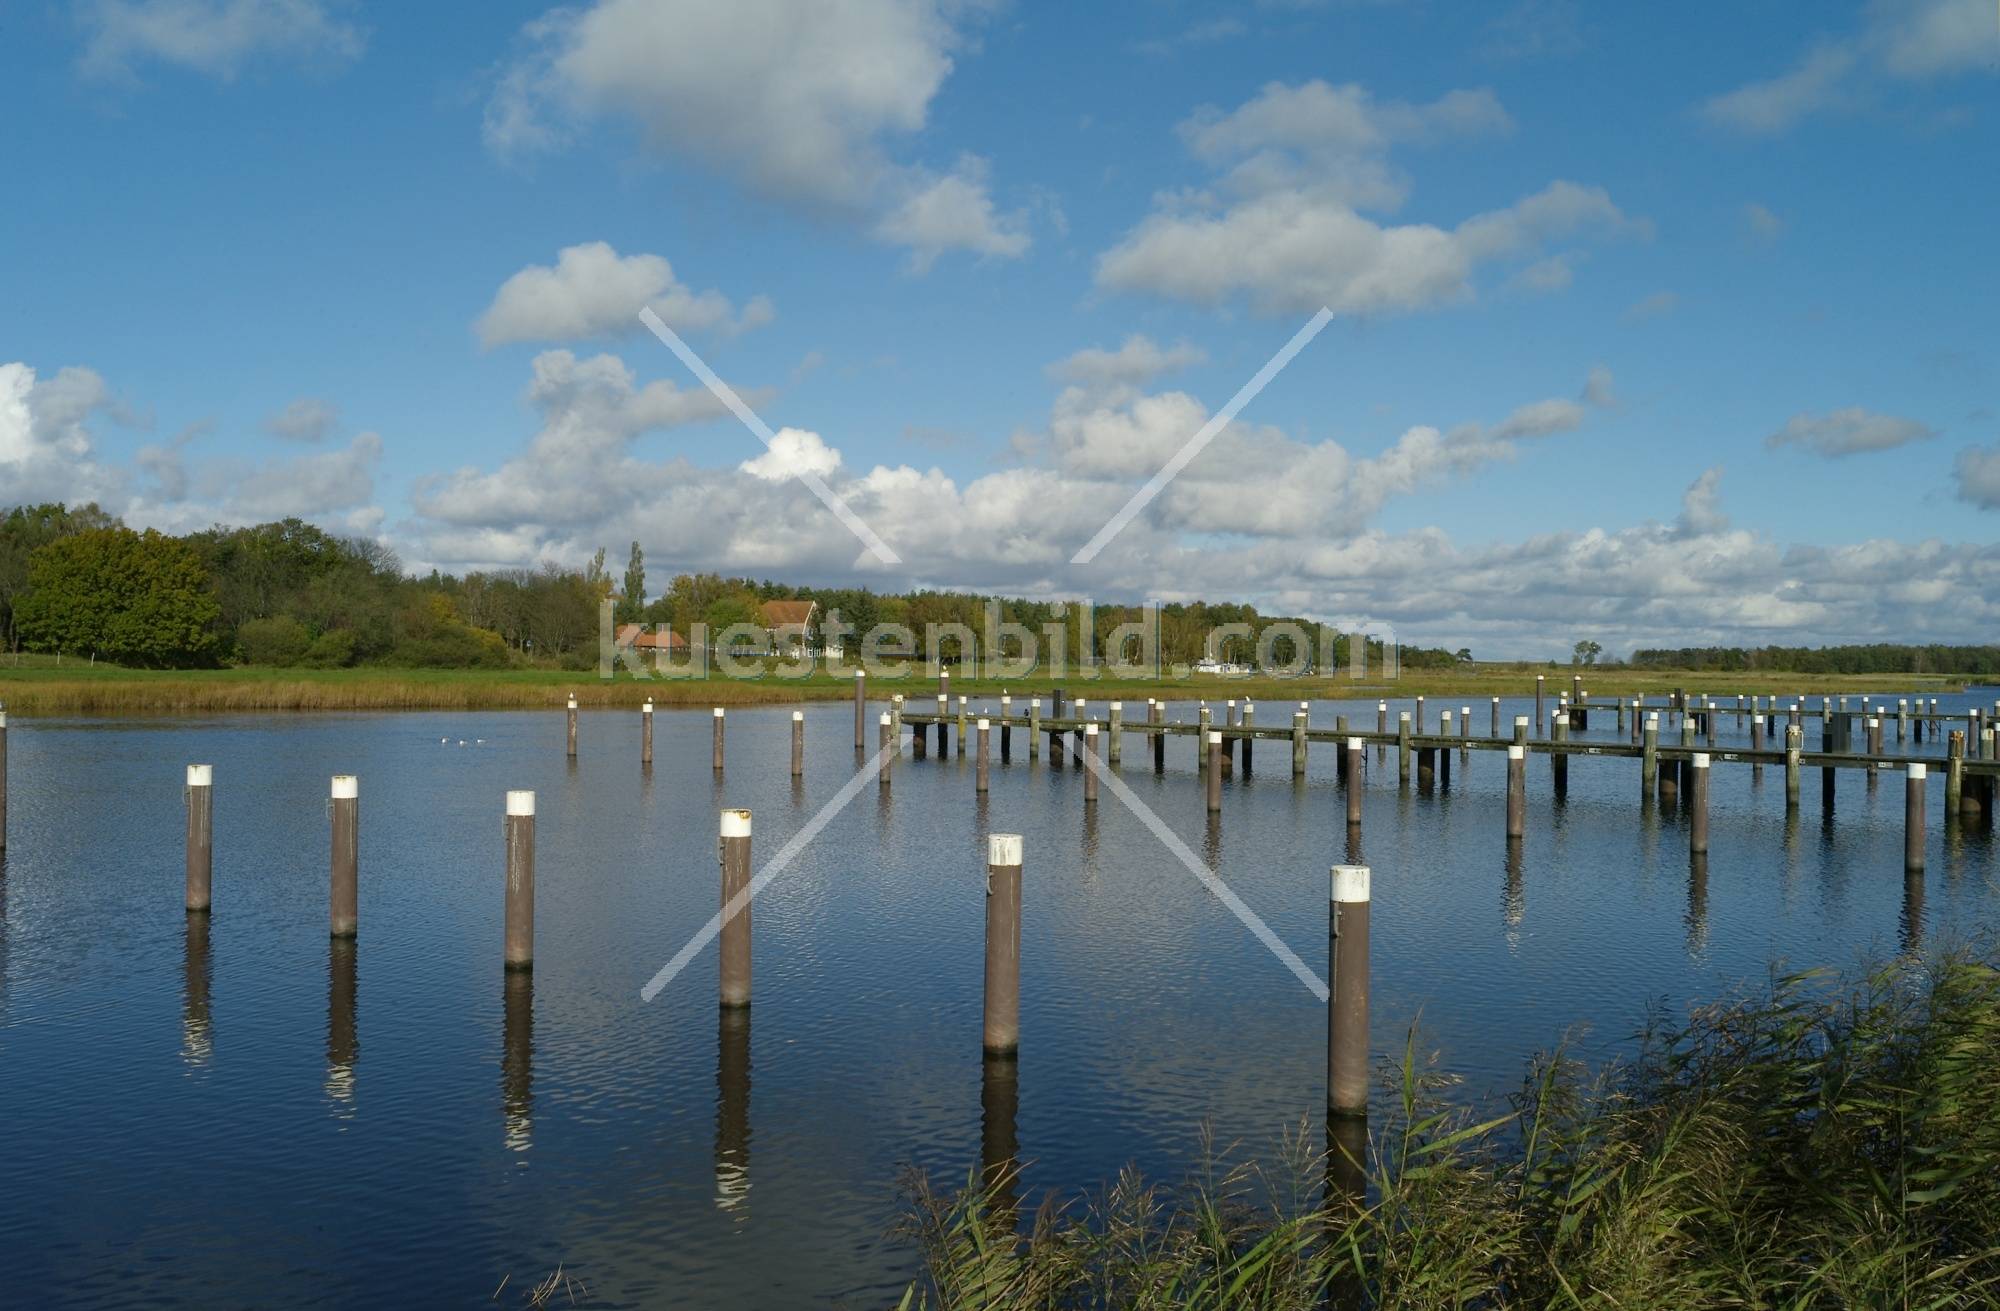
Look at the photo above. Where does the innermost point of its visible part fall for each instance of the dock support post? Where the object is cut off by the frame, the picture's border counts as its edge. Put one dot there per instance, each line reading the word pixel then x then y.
pixel 1034 727
pixel 735 955
pixel 646 734
pixel 1558 759
pixel 344 901
pixel 200 836
pixel 963 711
pixel 1540 686
pixel 1649 756
pixel 1353 783
pixel 798 743
pixel 1913 816
pixel 1089 763
pixel 1249 742
pixel 1002 1029
pixel 1403 747
pixel 1347 1003
pixel 1214 779
pixel 716 749
pixel 860 710
pixel 519 953
pixel 1795 738
pixel 1115 746
pixel 1006 729
pixel 886 747
pixel 1496 717
pixel 1157 712
pixel 979 773
pixel 1954 773
pixel 572 727
pixel 1298 744
pixel 1698 804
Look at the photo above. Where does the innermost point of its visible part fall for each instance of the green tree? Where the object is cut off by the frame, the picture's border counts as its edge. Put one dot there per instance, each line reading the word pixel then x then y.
pixel 25 529
pixel 634 601
pixel 1585 653
pixel 136 598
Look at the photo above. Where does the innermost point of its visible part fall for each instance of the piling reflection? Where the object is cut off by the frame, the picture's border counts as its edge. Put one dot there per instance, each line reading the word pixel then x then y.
pixel 999 1136
pixel 517 1060
pixel 1514 893
pixel 732 1111
pixel 1355 855
pixel 1211 841
pixel 1697 911
pixel 197 1029
pixel 1911 934
pixel 343 1045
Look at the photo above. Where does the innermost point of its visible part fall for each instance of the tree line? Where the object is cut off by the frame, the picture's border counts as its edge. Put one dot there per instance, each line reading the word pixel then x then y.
pixel 1873 658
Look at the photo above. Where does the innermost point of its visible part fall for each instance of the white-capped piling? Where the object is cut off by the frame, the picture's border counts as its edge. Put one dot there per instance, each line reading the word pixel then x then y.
pixel 200 836
pixel 519 950
pixel 646 734
pixel 344 897
pixel 1089 763
pixel 1698 803
pixel 885 746
pixel 571 714
pixel 860 710
pixel 980 767
pixel 1517 790
pixel 716 751
pixel 1347 1002
pixel 1214 779
pixel 798 743
pixel 1913 815
pixel 1002 1029
pixel 1353 782
pixel 734 965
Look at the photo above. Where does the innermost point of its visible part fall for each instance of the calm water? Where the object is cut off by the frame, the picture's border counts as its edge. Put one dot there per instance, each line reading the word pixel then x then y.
pixel 234 1113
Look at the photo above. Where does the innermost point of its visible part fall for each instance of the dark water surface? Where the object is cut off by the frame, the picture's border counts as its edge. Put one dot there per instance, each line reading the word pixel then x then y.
pixel 235 1112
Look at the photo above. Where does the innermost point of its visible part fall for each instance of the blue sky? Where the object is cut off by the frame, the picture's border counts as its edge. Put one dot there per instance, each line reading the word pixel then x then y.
pixel 1652 324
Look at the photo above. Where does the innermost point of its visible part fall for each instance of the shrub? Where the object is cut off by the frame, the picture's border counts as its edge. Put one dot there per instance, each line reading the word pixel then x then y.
pixel 333 649
pixel 280 641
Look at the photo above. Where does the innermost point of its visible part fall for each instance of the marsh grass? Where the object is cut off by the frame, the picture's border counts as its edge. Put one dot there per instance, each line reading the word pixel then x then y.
pixel 1814 1146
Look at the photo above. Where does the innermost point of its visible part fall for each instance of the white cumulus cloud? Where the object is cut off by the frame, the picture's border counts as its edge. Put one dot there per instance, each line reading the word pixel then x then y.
pixel 1848 432
pixel 593 291
pixel 216 37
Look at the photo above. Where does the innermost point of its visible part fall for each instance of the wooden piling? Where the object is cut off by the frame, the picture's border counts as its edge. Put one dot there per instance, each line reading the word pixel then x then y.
pixel 734 965
pixel 979 773
pixel 798 743
pixel 1902 718
pixel 1002 1035
pixel 344 901
pixel 1201 756
pixel 1114 746
pixel 646 734
pixel 1954 773
pixel 1417 721
pixel 1649 755
pixel 1403 747
pixel 1913 815
pixel 3 778
pixel 1006 729
pixel 1698 803
pixel 1540 685
pixel 1089 763
pixel 1229 740
pixel 572 728
pixel 1214 779
pixel 1795 739
pixel 717 747
pixel 200 836
pixel 1249 742
pixel 1355 782
pixel 519 950
pixel 860 710
pixel 1558 760
pixel 943 714
pixel 886 748
pixel 1034 728
pixel 1347 1001
pixel 1157 712
pixel 963 712
pixel 1298 744
pixel 1828 737
pixel 1517 790
pixel 1496 717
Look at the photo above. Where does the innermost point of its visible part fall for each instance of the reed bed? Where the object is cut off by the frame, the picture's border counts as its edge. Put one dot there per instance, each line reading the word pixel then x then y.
pixel 1813 1146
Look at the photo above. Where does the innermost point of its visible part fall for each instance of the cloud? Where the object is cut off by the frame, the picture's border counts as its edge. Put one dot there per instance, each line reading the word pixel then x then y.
pixel 306 419
pixel 1903 41
pixel 793 452
pixel 1702 514
pixel 593 291
pixel 1977 472
pixel 1761 223
pixel 952 212
pixel 1658 305
pixel 1139 360
pixel 800 104
pixel 215 37
pixel 1848 432
pixel 1284 226
pixel 1551 274
pixel 1599 388
pixel 46 444
pixel 1771 107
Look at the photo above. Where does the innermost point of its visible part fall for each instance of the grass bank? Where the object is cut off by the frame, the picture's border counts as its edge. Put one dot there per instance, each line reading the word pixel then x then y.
pixel 39 686
pixel 1802 1149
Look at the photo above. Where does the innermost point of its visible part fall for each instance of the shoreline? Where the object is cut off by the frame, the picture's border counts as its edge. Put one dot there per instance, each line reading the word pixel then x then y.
pixel 52 691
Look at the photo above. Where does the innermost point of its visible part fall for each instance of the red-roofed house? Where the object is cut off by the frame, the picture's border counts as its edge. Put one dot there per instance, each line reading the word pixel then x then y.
pixel 789 624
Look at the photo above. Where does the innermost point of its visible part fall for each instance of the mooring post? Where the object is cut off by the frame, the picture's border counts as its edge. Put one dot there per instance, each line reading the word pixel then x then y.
pixel 1828 736
pixel 886 747
pixel 1913 815
pixel 1115 734
pixel 1347 1003
pixel 1558 759
pixel 735 941
pixel 1795 740
pixel 1540 685
pixel 1006 729
pixel 3 778
pixel 1229 720
pixel 1954 773
pixel 1756 744
pixel 1698 804
pixel 1201 753
pixel 1465 730
pixel 1157 712
pixel 1214 772
pixel 1249 742
pixel 1353 782
pixel 1034 727
pixel 1517 789
pixel 519 950
pixel 1298 744
pixel 1649 755
pixel 1521 730
pixel 860 710
pixel 1089 763
pixel 1403 747
pixel 1381 716
pixel 200 835
pixel 919 739
pixel 572 728
pixel 1417 721
pixel 1002 1035
pixel 646 734
pixel 1638 707
pixel 798 743
pixel 1874 739
pixel 1686 772
pixel 979 774
pixel 963 712
pixel 717 762
pixel 943 715
pixel 1444 752
pixel 896 720
pixel 344 904
pixel 1496 718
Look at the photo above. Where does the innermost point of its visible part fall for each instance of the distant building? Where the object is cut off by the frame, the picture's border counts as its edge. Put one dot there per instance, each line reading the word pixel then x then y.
pixel 788 624
pixel 643 637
